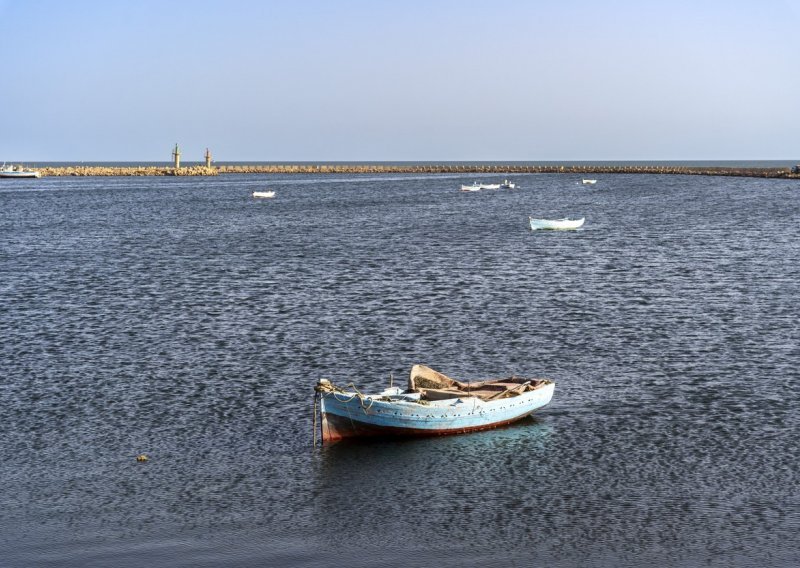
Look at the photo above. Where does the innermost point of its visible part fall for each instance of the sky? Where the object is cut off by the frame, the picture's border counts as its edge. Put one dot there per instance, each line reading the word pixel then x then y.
pixel 418 80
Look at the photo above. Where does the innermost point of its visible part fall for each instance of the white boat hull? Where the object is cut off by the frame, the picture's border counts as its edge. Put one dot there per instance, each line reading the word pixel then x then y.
pixel 480 186
pixel 589 181
pixel 264 194
pixel 20 174
pixel 556 224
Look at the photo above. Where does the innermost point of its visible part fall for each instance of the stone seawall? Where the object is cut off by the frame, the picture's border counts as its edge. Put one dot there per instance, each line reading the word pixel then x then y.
pixel 411 169
pixel 126 171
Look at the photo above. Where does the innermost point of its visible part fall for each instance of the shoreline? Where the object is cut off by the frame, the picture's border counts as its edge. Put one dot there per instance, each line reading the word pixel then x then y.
pixel 107 171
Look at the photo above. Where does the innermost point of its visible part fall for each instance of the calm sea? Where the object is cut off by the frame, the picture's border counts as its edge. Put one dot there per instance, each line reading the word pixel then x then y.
pixel 180 318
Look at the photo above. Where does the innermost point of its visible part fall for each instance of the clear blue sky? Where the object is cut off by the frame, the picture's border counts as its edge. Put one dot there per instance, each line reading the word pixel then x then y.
pixel 402 80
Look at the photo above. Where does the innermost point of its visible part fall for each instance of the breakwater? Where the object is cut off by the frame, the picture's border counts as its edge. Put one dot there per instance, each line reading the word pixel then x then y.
pixel 63 171
pixel 413 169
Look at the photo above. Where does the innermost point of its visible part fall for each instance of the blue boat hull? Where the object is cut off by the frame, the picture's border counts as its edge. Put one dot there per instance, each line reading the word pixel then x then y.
pixel 347 415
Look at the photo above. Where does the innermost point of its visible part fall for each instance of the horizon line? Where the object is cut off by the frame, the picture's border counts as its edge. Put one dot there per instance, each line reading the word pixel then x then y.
pixel 431 161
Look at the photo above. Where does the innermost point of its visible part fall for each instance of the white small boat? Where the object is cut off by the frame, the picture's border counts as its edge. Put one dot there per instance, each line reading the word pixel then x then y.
pixel 507 185
pixel 264 194
pixel 556 224
pixel 589 181
pixel 479 186
pixel 11 171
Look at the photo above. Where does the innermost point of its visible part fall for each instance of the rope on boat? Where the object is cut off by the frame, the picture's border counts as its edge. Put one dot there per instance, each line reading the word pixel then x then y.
pixel 328 387
pixel 361 397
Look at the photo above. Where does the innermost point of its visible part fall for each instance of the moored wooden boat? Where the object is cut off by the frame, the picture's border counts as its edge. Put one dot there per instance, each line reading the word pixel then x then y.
pixel 266 194
pixel 556 224
pixel 433 404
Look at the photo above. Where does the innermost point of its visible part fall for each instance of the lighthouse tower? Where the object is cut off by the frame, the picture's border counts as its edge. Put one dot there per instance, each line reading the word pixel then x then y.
pixel 208 158
pixel 176 156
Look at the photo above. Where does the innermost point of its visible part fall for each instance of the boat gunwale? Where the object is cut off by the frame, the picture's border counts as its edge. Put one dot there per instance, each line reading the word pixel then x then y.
pixel 437 410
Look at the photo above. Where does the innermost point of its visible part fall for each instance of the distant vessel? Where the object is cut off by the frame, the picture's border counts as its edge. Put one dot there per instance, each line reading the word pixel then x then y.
pixel 10 171
pixel 479 186
pixel 556 224
pixel 507 185
pixel 264 194
pixel 589 181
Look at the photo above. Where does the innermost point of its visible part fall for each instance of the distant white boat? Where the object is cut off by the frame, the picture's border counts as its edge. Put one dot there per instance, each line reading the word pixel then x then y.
pixel 589 181
pixel 11 171
pixel 507 185
pixel 556 224
pixel 263 194
pixel 479 186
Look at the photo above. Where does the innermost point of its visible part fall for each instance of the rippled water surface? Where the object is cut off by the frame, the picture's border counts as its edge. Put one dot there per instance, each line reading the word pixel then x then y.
pixel 180 318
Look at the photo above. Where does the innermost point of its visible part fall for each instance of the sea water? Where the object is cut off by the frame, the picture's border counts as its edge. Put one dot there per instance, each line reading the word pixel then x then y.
pixel 182 319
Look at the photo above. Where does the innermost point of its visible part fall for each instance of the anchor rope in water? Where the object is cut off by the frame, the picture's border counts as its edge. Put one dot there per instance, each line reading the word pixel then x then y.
pixel 316 398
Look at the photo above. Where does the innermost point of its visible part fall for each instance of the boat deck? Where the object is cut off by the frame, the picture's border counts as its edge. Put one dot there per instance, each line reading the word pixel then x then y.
pixel 485 390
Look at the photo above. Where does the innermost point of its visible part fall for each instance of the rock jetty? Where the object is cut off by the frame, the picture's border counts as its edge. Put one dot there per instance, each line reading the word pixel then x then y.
pixel 413 169
pixel 127 171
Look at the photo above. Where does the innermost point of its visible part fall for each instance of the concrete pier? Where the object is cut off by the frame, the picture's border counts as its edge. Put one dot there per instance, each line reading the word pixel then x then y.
pixel 466 169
